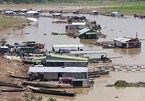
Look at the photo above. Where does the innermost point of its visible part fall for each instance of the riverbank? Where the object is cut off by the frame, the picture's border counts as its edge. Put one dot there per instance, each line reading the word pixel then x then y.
pixel 125 7
pixel 13 68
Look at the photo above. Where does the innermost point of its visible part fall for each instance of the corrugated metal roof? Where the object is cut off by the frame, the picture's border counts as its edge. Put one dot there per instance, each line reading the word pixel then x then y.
pixel 89 52
pixel 58 69
pixel 68 57
pixel 122 39
pixel 84 30
pixel 67 46
pixel 32 12
pixel 57 14
pixel 116 12
pixel 4 47
pixel 78 23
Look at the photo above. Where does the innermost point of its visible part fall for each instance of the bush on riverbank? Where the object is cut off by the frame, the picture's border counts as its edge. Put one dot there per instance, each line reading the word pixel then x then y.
pixel 122 83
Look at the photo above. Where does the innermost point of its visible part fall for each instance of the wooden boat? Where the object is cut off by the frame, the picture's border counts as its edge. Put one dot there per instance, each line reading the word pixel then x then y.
pixel 10 85
pixel 13 90
pixel 52 92
pixel 47 84
pixel 99 60
pixel 102 72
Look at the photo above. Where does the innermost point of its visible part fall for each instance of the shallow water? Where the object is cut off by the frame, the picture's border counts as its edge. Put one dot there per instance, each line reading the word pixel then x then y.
pixel 112 27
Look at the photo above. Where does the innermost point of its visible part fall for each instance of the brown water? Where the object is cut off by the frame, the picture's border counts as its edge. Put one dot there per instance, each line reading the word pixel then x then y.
pixel 112 27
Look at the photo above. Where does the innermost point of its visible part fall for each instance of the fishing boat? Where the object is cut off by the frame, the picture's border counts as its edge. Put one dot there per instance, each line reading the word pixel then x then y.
pixel 97 73
pixel 13 90
pixel 52 92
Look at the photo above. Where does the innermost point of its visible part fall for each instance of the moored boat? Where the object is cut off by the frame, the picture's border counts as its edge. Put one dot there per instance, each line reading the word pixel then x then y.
pixel 52 92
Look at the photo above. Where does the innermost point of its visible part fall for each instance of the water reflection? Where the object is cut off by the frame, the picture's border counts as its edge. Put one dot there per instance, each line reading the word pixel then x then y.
pixel 87 41
pixel 134 51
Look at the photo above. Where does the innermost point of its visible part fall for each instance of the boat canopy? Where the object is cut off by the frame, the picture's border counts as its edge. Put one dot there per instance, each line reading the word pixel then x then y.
pixel 67 46
pixel 89 52
pixel 58 69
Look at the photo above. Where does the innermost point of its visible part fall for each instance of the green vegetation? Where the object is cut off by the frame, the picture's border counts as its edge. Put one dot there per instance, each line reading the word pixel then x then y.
pixel 6 22
pixel 126 7
pixel 122 83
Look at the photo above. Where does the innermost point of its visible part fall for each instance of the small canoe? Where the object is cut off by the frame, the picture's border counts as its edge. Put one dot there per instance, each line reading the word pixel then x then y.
pixel 52 92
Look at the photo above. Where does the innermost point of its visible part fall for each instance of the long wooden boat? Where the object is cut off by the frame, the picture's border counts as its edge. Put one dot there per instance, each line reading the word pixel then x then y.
pixel 52 92
pixel 98 73
pixel 46 84
pixel 10 85
pixel 99 60
pixel 13 90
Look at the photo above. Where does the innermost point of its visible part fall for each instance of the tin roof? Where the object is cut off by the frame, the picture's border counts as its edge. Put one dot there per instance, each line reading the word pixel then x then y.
pixel 67 46
pixel 89 52
pixel 64 58
pixel 58 69
pixel 32 12
pixel 122 39
pixel 78 23
pixel 84 30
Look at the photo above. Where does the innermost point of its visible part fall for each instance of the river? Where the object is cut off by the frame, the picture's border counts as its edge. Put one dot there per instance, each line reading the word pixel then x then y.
pixel 112 27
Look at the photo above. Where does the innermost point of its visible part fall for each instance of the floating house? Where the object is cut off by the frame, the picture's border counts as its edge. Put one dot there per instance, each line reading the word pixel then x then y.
pixel 4 49
pixel 123 42
pixel 61 60
pixel 9 12
pixel 32 13
pixel 117 14
pixel 76 26
pixel 94 12
pixel 66 48
pixel 114 14
pixel 87 34
pixel 57 15
pixel 76 76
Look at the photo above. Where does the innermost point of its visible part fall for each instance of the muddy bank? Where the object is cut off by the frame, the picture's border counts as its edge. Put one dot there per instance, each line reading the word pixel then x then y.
pixel 14 68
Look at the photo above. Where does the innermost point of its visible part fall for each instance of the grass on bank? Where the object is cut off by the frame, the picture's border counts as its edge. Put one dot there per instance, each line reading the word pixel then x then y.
pixel 6 21
pixel 9 21
pixel 125 7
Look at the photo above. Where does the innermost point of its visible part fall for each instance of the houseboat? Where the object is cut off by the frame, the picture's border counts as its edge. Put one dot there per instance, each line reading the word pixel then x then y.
pixel 75 26
pixel 73 76
pixel 66 48
pixel 94 12
pixel 87 33
pixel 32 13
pixel 124 42
pixel 121 42
pixel 61 60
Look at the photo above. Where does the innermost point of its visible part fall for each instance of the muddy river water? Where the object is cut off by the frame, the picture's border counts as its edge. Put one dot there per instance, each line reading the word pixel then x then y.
pixel 112 27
